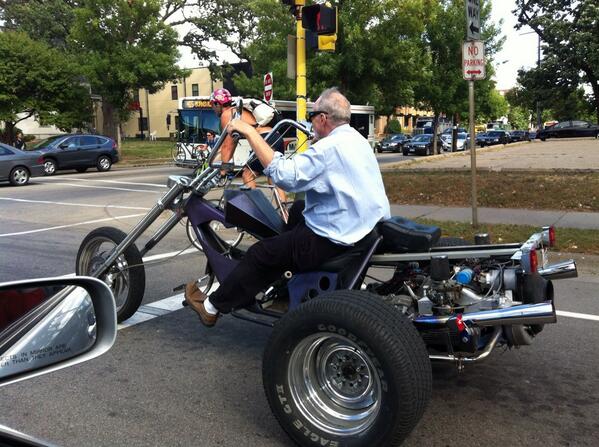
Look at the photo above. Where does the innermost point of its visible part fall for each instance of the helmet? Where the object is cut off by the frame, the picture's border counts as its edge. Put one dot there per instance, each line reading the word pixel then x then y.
pixel 221 96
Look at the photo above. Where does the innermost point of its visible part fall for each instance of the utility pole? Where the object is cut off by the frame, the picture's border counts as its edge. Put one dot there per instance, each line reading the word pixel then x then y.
pixel 539 121
pixel 300 79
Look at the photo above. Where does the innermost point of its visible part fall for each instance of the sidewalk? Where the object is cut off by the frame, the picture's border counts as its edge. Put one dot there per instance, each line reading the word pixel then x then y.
pixel 564 219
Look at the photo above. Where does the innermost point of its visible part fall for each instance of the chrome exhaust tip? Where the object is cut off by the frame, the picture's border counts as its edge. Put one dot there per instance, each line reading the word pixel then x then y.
pixel 561 270
pixel 525 314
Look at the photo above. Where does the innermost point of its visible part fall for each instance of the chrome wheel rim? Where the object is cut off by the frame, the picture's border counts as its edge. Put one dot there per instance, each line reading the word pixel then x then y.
pixel 49 167
pixel 334 384
pixel 104 163
pixel 20 176
pixel 117 276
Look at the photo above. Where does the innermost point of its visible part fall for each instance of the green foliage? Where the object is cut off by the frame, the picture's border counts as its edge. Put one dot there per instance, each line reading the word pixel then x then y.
pixel 569 30
pixel 124 46
pixel 377 60
pixel 36 80
pixel 393 126
pixel 518 117
pixel 442 87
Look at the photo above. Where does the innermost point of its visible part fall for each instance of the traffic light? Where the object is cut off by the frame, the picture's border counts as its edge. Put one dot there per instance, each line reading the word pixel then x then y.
pixel 321 19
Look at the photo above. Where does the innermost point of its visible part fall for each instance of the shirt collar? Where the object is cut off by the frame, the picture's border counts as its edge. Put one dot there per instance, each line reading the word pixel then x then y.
pixel 339 129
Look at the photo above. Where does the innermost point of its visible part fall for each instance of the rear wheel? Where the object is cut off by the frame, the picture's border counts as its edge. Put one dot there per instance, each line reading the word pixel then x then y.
pixel 126 277
pixel 104 163
pixel 19 176
pixel 346 369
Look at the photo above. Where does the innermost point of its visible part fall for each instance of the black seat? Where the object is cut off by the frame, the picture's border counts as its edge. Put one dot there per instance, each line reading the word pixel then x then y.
pixel 402 235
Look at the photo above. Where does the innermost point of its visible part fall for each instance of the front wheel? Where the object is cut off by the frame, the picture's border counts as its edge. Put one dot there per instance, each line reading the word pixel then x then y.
pixel 346 369
pixel 126 277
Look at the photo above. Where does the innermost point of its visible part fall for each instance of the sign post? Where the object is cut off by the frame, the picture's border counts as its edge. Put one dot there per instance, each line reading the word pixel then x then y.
pixel 268 87
pixel 473 66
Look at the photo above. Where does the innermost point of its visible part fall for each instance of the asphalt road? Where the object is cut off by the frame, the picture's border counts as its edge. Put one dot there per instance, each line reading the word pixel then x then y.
pixel 171 382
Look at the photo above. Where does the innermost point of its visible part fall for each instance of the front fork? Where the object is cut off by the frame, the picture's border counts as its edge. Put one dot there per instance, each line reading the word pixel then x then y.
pixel 163 203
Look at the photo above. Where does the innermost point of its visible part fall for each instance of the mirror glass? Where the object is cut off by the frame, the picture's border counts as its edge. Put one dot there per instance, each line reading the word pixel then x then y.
pixel 42 326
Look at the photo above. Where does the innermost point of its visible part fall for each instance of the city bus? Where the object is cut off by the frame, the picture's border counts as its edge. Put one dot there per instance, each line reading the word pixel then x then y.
pixel 195 118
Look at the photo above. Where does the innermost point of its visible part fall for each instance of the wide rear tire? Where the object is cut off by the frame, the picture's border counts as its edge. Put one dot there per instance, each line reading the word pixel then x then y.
pixel 126 277
pixel 346 369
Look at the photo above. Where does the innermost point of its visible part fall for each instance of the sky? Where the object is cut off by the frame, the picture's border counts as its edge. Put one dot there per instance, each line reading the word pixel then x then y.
pixel 518 50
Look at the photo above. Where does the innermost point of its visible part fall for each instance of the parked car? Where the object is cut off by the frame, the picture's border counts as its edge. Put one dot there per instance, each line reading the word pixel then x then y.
pixel 569 129
pixel 393 143
pixel 18 166
pixel 494 137
pixel 462 138
pixel 420 145
pixel 520 135
pixel 78 152
pixel 460 130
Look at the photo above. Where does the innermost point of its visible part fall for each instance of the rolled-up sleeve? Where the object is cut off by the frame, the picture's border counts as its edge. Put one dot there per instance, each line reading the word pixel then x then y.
pixel 299 173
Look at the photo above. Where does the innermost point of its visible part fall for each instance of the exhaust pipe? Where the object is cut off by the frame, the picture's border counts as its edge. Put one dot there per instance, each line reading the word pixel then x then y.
pixel 526 314
pixel 561 270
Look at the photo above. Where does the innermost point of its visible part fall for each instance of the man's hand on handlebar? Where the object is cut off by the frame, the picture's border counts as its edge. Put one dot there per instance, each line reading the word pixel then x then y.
pixel 240 127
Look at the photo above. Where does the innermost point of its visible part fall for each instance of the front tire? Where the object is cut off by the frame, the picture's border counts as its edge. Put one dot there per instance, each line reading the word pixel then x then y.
pixel 104 163
pixel 49 166
pixel 346 369
pixel 126 277
pixel 19 176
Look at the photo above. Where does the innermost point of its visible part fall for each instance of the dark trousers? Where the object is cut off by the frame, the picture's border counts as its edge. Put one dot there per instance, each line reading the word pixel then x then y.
pixel 296 250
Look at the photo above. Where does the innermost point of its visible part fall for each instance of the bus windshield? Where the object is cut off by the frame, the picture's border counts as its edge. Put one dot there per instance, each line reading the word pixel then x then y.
pixel 194 123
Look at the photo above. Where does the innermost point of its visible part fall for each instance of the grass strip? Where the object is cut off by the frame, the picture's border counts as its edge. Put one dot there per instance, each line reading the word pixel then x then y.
pixel 136 150
pixel 571 240
pixel 530 190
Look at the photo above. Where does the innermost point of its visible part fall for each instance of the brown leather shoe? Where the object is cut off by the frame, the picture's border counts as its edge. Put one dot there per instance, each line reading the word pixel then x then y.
pixel 206 318
pixel 196 302
pixel 190 289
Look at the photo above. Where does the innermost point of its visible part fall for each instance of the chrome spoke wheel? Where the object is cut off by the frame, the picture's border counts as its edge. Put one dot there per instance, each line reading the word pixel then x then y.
pixel 117 276
pixel 334 384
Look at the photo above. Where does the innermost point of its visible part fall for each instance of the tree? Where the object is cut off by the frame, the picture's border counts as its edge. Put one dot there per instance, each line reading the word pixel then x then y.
pixel 377 56
pixel 124 46
pixel 570 33
pixel 442 87
pixel 39 81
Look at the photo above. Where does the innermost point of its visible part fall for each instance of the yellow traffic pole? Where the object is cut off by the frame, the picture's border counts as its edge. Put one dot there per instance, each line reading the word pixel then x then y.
pixel 300 76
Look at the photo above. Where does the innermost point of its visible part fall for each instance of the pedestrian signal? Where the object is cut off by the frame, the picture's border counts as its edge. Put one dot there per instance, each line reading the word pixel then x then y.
pixel 321 19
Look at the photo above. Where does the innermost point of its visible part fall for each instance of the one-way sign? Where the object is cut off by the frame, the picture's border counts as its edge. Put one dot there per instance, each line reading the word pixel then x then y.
pixel 472 19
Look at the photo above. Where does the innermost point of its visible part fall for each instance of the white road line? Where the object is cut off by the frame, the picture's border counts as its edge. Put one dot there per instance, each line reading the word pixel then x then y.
pixel 170 255
pixel 75 204
pixel 71 225
pixel 117 182
pixel 107 187
pixel 173 303
pixel 564 313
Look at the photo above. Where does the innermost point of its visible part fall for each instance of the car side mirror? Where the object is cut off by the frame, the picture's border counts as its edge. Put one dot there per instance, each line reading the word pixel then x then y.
pixel 50 324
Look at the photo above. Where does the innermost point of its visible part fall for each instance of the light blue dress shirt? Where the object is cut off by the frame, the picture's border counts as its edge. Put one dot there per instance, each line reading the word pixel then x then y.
pixel 345 196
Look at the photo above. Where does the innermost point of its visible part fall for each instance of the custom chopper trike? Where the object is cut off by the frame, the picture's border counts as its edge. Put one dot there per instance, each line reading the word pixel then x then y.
pixel 348 362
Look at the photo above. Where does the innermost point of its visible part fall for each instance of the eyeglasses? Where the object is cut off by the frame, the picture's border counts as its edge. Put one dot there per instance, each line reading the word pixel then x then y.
pixel 314 113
